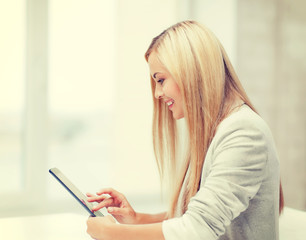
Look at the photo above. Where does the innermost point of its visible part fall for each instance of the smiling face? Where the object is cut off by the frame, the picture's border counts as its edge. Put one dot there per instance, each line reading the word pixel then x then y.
pixel 166 89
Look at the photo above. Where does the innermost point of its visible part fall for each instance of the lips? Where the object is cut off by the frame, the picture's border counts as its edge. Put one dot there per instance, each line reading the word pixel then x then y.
pixel 170 103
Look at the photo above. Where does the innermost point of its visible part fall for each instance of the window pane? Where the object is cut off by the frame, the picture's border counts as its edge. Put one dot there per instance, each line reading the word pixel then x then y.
pixel 12 48
pixel 81 79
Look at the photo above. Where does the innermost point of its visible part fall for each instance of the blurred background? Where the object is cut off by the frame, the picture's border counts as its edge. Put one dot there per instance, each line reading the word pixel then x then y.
pixel 75 93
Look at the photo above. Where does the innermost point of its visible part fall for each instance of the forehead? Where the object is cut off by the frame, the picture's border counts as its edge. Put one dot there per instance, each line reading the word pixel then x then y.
pixel 154 64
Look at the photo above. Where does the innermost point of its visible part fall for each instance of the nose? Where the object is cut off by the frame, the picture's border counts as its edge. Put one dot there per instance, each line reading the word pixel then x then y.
pixel 158 92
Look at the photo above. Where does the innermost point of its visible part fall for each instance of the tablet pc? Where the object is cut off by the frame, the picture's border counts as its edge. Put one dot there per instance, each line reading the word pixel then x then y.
pixel 74 191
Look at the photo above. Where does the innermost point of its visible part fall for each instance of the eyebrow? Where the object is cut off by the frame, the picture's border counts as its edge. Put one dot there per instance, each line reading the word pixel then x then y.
pixel 154 75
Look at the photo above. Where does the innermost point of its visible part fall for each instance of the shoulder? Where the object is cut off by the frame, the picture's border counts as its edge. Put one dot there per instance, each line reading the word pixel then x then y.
pixel 243 130
pixel 244 121
pixel 244 117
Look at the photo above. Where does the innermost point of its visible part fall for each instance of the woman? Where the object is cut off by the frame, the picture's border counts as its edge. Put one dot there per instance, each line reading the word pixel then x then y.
pixel 228 184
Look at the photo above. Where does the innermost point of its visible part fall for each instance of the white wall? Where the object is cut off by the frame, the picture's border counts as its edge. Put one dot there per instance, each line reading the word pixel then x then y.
pixel 221 17
pixel 271 60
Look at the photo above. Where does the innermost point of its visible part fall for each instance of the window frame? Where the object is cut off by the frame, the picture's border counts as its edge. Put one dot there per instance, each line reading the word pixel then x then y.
pixel 31 199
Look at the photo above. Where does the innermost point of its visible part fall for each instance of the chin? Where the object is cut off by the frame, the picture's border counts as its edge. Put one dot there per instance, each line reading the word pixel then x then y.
pixel 178 116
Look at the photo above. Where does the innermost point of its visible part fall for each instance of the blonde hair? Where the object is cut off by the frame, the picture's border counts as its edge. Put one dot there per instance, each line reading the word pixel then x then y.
pixel 209 86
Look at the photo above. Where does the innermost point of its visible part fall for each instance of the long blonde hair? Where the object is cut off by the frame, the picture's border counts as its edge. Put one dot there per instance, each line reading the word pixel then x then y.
pixel 209 86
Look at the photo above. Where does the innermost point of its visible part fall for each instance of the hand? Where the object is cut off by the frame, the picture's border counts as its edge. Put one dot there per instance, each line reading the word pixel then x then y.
pixel 100 228
pixel 116 205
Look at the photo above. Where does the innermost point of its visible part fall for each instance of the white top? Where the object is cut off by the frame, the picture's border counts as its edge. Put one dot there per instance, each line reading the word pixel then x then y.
pixel 239 190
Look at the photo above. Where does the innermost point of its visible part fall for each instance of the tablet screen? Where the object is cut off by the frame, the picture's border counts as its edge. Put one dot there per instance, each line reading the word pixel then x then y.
pixel 74 191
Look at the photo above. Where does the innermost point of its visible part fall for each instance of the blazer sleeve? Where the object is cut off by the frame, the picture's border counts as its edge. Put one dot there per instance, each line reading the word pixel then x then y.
pixel 239 158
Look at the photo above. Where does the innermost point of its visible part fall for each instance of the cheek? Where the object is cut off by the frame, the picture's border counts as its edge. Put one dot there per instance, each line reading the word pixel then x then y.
pixel 177 93
pixel 172 90
pixel 179 99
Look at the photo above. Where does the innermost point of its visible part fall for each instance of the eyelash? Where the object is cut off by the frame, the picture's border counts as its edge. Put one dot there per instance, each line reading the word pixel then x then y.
pixel 161 81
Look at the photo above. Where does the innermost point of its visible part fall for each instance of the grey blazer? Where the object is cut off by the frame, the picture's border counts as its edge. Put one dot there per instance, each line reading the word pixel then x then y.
pixel 239 192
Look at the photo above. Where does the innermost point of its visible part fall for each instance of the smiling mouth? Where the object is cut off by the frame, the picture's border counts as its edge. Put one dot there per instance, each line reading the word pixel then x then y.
pixel 170 103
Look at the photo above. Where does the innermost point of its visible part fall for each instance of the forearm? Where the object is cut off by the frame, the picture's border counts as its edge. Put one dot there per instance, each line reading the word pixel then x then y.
pixel 139 232
pixel 143 218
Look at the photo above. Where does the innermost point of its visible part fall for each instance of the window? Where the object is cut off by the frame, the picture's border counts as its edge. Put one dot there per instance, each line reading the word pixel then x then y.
pixel 12 88
pixel 75 94
pixel 81 91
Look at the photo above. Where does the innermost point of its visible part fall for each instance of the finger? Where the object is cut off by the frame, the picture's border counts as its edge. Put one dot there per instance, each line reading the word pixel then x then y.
pixel 106 203
pixel 89 195
pixel 117 211
pixel 97 198
pixel 112 192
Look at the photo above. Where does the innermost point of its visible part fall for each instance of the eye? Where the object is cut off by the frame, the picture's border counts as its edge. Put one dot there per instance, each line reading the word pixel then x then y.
pixel 161 81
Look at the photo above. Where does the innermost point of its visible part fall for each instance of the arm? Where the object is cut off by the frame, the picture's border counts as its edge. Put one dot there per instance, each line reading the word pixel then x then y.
pixel 143 218
pixel 105 228
pixel 140 232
